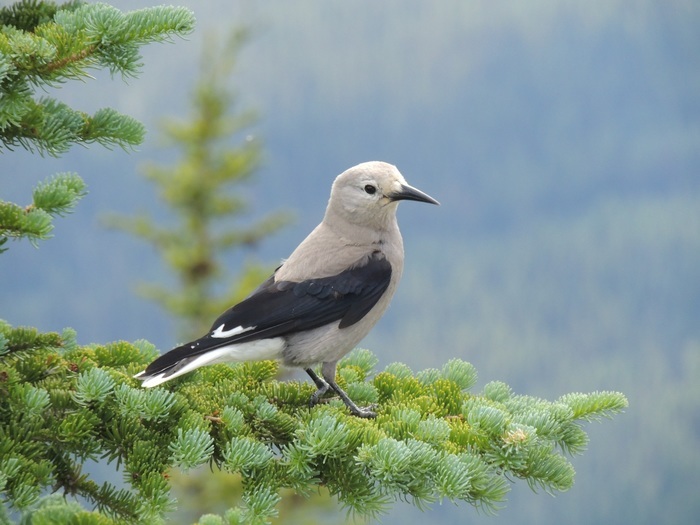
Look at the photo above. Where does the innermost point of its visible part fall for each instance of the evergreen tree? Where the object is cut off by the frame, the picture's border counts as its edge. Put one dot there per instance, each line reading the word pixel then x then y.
pixel 62 404
pixel 199 190
pixel 45 45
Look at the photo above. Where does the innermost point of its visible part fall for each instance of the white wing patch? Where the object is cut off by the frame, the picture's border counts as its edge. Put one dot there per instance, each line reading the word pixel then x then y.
pixel 220 333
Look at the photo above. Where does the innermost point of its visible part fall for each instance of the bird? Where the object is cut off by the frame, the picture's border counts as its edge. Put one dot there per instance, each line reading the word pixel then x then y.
pixel 324 298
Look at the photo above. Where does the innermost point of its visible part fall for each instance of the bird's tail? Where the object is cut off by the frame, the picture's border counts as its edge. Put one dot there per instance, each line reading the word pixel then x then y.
pixel 162 370
pixel 207 351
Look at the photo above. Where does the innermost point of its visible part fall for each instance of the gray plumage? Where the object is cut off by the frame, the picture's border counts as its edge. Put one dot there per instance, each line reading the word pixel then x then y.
pixel 324 298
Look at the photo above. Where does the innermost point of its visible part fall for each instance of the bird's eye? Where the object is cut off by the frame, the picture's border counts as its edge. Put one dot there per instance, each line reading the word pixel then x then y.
pixel 370 189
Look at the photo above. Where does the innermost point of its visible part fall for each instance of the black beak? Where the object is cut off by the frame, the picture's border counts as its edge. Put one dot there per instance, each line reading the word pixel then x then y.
pixel 409 193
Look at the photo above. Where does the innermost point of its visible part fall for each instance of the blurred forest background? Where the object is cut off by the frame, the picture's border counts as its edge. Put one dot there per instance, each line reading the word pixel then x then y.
pixel 563 141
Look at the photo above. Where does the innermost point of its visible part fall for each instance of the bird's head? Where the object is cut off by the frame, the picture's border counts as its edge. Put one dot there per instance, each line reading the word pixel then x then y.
pixel 368 194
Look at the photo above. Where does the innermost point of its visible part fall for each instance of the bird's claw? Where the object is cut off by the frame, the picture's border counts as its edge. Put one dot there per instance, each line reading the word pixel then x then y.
pixel 324 386
pixel 364 412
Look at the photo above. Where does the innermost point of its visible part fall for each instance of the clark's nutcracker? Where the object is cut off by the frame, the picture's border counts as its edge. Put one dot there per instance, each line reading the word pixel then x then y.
pixel 324 298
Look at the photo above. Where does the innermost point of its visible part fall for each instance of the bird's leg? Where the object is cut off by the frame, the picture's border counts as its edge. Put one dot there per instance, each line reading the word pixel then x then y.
pixel 328 371
pixel 365 412
pixel 320 384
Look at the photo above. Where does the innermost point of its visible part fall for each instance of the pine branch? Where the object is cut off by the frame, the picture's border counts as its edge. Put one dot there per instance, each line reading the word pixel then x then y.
pixel 61 64
pixel 54 197
pixel 433 439
pixel 76 39
pixel 43 44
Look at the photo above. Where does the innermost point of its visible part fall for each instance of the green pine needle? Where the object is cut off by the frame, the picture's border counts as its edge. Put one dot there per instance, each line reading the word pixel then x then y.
pixel 59 194
pixel 431 441
pixel 93 386
pixel 592 407
pixel 191 448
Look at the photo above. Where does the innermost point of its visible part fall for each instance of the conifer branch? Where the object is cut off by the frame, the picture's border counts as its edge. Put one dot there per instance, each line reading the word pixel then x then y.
pixel 70 59
pixel 43 44
pixel 433 438
pixel 54 197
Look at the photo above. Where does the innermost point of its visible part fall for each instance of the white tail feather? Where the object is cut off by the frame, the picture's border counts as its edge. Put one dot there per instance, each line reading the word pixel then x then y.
pixel 252 351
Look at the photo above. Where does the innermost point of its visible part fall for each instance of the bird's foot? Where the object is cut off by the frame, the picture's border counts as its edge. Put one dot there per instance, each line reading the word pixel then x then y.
pixel 363 412
pixel 325 386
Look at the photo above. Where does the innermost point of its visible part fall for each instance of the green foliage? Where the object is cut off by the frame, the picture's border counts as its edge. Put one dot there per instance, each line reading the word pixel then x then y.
pixel 54 197
pixel 203 189
pixel 62 404
pixel 191 448
pixel 43 45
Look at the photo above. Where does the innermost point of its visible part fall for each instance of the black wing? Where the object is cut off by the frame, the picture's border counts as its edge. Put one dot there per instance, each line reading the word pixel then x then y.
pixel 281 308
